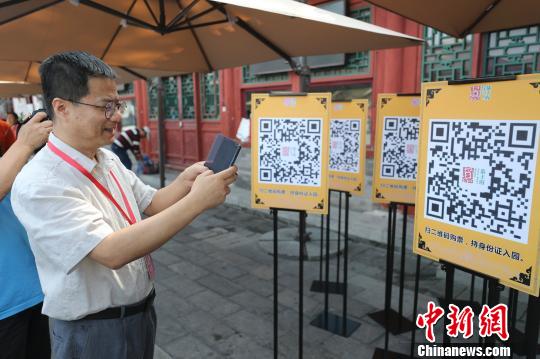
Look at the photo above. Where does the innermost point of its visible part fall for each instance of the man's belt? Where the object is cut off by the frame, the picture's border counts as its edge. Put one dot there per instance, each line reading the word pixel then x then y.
pixel 125 310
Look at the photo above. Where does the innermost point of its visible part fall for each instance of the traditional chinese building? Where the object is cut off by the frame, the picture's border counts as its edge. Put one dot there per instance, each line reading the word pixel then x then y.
pixel 198 106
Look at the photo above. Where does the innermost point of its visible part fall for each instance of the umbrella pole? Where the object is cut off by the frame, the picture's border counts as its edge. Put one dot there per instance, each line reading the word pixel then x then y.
pixel 304 73
pixel 161 131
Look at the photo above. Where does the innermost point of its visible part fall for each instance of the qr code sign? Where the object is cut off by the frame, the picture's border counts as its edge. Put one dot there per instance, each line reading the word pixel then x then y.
pixel 480 175
pixel 345 145
pixel 400 148
pixel 290 151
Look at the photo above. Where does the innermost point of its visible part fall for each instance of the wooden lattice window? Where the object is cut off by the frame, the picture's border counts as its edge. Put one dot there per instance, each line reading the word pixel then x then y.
pixel 210 95
pixel 512 52
pixel 170 87
pixel 445 57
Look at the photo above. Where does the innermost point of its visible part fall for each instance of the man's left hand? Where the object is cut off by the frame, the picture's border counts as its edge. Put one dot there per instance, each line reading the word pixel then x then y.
pixel 188 176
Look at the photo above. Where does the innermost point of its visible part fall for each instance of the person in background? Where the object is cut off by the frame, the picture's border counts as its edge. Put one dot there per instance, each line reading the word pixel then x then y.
pixel 24 331
pixel 129 140
pixel 7 137
pixel 13 120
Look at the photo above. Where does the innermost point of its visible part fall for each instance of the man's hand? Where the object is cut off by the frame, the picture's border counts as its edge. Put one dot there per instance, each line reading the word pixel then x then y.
pixel 210 189
pixel 188 176
pixel 35 133
pixel 31 136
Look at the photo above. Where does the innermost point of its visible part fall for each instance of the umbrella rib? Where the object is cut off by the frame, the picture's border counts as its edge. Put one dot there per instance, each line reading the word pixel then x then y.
pixel 27 71
pixel 151 12
pixel 29 12
pixel 264 40
pixel 213 8
pixel 117 32
pixel 12 2
pixel 205 56
pixel 119 14
pixel 480 18
pixel 134 73
pixel 161 15
pixel 198 25
pixel 183 13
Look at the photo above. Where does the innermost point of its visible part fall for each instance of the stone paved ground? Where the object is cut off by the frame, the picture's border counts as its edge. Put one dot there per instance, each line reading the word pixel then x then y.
pixel 214 284
pixel 214 294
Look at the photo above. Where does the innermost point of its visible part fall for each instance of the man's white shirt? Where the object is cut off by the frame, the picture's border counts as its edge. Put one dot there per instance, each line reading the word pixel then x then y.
pixel 66 216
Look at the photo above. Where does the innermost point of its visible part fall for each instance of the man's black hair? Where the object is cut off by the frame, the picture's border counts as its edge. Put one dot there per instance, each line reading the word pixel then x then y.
pixel 65 75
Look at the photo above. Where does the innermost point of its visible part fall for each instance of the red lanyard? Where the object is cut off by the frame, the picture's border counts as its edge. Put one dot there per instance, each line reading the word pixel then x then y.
pixel 131 218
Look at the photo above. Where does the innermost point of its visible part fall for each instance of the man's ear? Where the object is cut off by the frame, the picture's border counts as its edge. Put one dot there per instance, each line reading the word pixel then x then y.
pixel 60 107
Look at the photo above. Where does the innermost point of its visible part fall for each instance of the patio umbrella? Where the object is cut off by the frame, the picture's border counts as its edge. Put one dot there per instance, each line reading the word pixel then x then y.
pixel 184 35
pixel 461 17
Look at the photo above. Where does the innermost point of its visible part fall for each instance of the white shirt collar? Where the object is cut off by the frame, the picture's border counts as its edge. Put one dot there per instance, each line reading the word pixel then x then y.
pixel 87 163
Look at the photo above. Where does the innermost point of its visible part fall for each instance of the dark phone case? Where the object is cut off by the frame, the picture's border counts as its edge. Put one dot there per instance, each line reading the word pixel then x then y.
pixel 223 154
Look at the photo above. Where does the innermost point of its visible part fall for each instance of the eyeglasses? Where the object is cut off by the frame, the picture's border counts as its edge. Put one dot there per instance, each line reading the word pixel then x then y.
pixel 110 107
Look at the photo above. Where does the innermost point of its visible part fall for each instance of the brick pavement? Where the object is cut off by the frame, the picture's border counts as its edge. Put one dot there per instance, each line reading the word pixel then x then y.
pixel 214 294
pixel 214 284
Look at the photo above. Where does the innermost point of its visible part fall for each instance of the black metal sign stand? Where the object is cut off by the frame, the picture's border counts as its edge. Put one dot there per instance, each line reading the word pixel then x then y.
pixel 321 285
pixel 394 322
pixel 521 343
pixel 302 230
pixel 336 324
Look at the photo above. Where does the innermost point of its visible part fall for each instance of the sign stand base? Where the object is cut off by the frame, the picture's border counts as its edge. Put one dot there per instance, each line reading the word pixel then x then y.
pixel 340 325
pixel 394 322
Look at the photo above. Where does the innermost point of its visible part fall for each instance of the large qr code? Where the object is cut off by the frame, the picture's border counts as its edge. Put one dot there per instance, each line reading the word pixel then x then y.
pixel 345 145
pixel 480 175
pixel 400 148
pixel 290 151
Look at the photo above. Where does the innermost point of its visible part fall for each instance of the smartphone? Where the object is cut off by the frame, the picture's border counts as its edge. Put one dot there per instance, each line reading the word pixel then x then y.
pixel 223 153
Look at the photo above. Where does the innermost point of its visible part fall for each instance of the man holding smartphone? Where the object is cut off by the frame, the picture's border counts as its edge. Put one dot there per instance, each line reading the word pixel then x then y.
pixel 82 210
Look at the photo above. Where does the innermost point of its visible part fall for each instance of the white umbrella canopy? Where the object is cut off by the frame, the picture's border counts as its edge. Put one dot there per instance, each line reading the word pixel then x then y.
pixel 184 35
pixel 28 72
pixel 461 17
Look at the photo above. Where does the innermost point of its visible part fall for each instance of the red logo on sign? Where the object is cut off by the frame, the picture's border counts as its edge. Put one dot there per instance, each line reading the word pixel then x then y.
pixel 468 173
pixel 475 93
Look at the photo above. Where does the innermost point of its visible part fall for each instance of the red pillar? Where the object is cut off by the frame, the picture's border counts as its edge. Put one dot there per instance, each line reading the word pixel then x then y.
pixel 393 58
pixel 412 59
pixel 295 81
pixel 476 66
pixel 229 119
pixel 198 115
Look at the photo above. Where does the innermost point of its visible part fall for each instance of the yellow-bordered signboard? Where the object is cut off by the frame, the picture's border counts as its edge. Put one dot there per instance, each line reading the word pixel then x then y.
pixel 347 145
pixel 396 148
pixel 290 146
pixel 478 187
